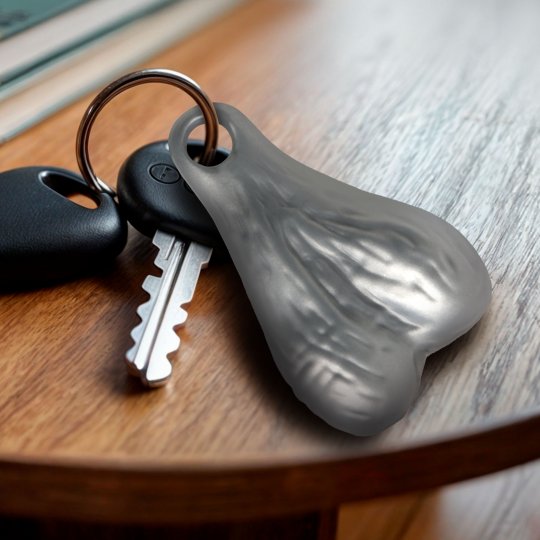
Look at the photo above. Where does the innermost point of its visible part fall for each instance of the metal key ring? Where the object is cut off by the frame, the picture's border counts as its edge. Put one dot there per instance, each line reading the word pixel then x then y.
pixel 167 76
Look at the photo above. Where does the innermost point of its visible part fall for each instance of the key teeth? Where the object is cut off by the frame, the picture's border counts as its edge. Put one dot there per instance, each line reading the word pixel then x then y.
pixel 132 368
pixel 176 319
pixel 144 310
pixel 130 359
pixel 165 243
pixel 146 360
pixel 150 284
pixel 170 342
pixel 157 372
pixel 163 240
pixel 160 262
pixel 206 261
pixel 130 354
pixel 136 334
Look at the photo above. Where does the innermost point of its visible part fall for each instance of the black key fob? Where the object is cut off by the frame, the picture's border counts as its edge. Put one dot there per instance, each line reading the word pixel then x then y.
pixel 46 237
pixel 153 196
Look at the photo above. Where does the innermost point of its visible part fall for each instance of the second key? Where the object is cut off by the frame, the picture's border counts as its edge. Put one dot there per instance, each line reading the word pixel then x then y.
pixel 157 202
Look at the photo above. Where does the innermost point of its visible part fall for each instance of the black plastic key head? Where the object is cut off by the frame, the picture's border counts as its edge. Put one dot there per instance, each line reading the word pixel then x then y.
pixel 153 196
pixel 47 237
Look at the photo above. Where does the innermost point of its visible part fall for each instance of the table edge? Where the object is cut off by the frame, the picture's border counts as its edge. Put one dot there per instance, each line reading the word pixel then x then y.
pixel 168 491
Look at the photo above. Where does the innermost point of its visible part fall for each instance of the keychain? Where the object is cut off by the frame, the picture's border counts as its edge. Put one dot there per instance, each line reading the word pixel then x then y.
pixel 352 290
pixel 46 237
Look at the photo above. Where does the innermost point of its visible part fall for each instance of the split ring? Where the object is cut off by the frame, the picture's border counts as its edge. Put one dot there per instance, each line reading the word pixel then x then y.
pixel 166 76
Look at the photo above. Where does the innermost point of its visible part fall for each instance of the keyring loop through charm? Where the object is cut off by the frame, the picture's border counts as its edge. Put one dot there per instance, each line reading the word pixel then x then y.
pixel 130 80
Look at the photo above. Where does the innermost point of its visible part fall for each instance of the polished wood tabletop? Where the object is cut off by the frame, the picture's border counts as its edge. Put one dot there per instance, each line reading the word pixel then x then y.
pixel 432 103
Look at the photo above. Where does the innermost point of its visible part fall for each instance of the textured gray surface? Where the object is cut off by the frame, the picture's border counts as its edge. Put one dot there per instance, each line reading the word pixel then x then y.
pixel 352 290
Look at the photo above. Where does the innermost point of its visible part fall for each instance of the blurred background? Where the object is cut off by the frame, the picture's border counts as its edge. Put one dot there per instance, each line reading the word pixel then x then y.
pixel 53 51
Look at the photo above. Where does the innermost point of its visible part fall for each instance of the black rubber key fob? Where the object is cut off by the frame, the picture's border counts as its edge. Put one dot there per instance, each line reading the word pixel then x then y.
pixel 46 237
pixel 153 196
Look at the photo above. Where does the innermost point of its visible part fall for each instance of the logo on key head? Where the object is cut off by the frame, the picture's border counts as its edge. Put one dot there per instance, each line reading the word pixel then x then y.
pixel 164 173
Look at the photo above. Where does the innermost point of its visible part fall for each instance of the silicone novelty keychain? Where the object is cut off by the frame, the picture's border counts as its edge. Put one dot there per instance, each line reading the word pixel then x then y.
pixel 352 290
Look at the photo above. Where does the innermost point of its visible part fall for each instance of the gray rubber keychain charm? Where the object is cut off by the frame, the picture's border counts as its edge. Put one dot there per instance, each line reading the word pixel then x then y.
pixel 352 290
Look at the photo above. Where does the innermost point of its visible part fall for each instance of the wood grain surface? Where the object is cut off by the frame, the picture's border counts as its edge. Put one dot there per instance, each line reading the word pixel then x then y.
pixel 434 103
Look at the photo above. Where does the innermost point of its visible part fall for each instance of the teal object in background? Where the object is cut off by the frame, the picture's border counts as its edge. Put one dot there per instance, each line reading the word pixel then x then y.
pixel 18 15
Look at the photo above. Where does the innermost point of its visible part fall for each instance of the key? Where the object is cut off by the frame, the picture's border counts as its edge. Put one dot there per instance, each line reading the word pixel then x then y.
pixel 46 236
pixel 155 337
pixel 158 202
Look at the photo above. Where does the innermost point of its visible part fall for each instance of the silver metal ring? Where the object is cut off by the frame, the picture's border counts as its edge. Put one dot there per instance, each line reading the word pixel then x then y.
pixel 134 79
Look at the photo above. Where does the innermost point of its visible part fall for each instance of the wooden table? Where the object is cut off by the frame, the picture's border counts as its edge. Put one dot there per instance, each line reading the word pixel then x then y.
pixel 433 103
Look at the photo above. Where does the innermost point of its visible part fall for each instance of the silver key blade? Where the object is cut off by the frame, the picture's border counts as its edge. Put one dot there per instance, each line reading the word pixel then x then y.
pixel 155 337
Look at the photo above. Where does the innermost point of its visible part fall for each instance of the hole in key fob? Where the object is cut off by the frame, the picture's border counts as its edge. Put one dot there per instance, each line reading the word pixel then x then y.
pixel 153 195
pixel 46 236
